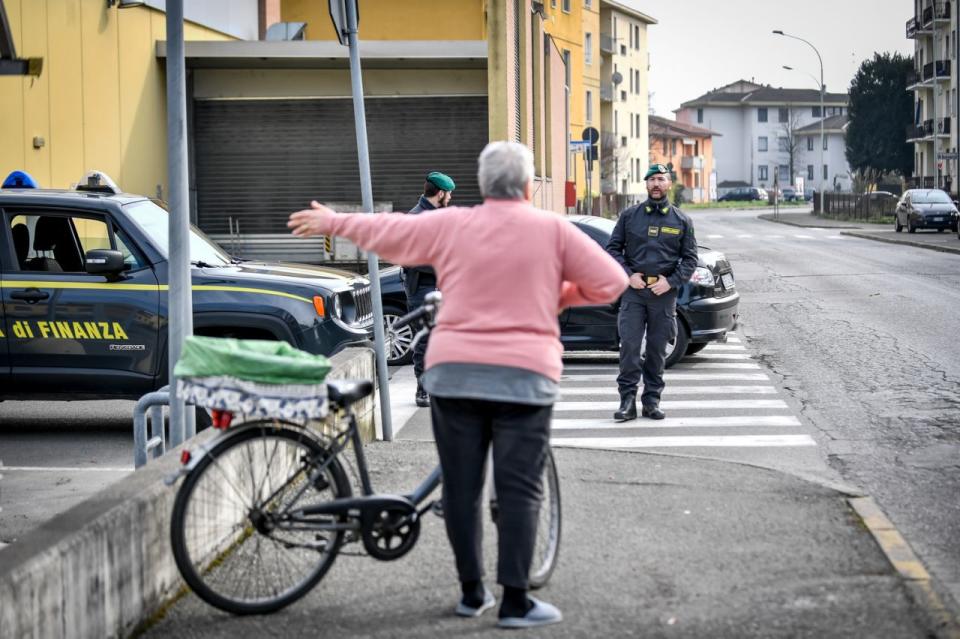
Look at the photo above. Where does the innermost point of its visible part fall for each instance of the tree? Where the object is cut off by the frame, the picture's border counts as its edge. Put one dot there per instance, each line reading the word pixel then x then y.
pixel 792 146
pixel 880 112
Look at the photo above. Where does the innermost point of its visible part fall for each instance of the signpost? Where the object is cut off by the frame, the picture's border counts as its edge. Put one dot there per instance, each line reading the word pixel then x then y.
pixel 345 17
pixel 591 136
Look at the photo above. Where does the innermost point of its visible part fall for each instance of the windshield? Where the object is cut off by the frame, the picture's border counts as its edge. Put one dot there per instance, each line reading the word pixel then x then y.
pixel 154 220
pixel 931 197
pixel 601 223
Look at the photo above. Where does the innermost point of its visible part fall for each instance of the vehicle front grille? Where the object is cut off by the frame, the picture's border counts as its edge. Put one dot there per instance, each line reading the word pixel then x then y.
pixel 359 310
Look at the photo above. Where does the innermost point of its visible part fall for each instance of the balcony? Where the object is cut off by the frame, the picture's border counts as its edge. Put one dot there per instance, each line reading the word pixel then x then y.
pixel 940 69
pixel 606 92
pixel 691 163
pixel 926 128
pixel 607 44
pixel 913 79
pixel 943 126
pixel 936 12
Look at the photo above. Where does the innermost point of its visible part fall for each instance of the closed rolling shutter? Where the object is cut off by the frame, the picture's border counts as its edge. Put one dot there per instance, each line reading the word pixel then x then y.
pixel 259 160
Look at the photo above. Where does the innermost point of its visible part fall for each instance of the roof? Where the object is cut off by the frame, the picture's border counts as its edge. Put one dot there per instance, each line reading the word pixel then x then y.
pixel 831 124
pixel 330 54
pixel 74 198
pixel 630 11
pixel 664 127
pixel 756 94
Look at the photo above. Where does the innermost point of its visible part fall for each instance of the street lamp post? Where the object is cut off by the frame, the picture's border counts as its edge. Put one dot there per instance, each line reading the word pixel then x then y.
pixel 823 113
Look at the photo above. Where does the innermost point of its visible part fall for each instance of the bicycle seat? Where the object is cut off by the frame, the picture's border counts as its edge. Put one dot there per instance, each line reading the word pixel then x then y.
pixel 344 392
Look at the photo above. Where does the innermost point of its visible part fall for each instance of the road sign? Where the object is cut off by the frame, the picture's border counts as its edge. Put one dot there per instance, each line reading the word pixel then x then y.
pixel 338 14
pixel 579 146
pixel 947 156
pixel 590 134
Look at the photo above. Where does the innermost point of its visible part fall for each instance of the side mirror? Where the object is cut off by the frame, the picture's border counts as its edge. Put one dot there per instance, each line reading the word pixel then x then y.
pixel 104 262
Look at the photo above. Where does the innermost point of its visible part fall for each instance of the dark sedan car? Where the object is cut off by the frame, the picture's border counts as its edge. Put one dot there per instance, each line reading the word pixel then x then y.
pixel 743 194
pixel 925 209
pixel 707 306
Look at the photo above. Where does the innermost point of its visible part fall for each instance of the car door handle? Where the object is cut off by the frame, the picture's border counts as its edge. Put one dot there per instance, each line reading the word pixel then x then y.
pixel 31 295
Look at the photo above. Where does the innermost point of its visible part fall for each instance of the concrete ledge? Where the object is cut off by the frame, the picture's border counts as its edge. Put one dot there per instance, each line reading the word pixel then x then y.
pixel 895 240
pixel 103 567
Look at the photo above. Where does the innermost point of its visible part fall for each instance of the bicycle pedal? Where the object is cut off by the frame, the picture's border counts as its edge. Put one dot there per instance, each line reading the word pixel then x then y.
pixel 437 509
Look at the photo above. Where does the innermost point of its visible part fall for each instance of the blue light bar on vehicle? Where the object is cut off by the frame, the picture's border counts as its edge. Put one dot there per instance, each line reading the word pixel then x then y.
pixel 20 180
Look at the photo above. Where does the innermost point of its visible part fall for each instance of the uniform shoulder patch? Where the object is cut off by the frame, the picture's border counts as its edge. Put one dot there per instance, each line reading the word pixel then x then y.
pixel 669 230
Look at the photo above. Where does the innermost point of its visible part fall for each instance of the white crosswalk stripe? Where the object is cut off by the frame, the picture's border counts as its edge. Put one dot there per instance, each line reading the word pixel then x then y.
pixel 717 398
pixel 803 237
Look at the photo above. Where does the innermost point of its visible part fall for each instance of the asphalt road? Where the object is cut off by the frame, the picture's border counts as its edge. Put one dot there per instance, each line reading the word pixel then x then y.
pixel 864 336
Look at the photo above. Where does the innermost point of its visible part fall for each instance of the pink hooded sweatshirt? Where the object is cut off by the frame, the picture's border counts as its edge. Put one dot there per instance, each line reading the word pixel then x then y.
pixel 506 270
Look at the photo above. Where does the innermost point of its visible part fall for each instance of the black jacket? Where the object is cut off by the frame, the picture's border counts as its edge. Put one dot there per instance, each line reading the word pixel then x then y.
pixel 416 276
pixel 655 238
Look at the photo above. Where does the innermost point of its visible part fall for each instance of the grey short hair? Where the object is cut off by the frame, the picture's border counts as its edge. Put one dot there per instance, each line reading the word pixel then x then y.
pixel 504 170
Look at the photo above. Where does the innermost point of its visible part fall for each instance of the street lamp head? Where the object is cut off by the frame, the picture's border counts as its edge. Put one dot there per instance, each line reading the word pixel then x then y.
pixel 778 32
pixel 788 68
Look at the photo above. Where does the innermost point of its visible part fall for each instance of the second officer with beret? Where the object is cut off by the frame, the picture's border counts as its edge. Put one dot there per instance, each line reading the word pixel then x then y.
pixel 655 244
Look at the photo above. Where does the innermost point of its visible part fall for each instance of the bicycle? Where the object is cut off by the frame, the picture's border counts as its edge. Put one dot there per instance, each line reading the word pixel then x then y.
pixel 266 506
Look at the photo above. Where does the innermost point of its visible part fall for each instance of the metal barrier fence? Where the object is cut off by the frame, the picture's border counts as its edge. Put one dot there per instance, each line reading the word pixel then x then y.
pixel 149 439
pixel 864 206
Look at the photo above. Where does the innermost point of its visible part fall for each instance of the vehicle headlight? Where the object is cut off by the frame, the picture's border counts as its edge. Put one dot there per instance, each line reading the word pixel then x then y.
pixel 337 307
pixel 703 276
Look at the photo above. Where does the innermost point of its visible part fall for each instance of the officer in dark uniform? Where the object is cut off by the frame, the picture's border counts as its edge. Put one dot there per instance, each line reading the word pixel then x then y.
pixel 655 244
pixel 418 281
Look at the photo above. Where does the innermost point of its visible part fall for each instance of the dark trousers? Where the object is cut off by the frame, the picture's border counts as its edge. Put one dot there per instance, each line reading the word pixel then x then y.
pixel 657 316
pixel 415 300
pixel 520 433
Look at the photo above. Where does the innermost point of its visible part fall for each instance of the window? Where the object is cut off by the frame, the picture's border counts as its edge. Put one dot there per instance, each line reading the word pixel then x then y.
pixel 782 115
pixel 616 122
pixel 123 245
pixel 762 114
pixel 699 116
pixel 631 127
pixel 637 83
pixel 673 147
pixel 623 49
pixel 762 143
pixel 623 96
pixel 587 3
pixel 815 112
pixel 636 37
pixel 784 174
pixel 825 172
pixel 566 63
pixel 623 141
pixel 630 32
pixel 810 172
pixel 631 80
pixel 553 4
pixel 825 138
pixel 762 172
pixel 783 145
pixel 696 180
pixel 589 106
pixel 56 243
pixel 664 146
pixel 588 48
pixel 810 143
pixel 566 6
pixel 638 125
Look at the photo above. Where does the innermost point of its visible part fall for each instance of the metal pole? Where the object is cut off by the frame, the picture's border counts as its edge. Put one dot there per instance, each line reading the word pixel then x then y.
pixel 366 191
pixel 936 145
pixel 823 116
pixel 180 309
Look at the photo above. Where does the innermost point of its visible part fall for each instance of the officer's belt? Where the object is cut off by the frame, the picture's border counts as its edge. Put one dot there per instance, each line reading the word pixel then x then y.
pixel 650 280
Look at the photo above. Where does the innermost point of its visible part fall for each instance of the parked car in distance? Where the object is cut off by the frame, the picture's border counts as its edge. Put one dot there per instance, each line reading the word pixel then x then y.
pixel 744 194
pixel 791 194
pixel 707 306
pixel 926 209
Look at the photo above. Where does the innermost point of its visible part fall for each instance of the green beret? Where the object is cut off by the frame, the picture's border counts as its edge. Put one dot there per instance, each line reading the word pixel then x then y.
pixel 441 181
pixel 655 169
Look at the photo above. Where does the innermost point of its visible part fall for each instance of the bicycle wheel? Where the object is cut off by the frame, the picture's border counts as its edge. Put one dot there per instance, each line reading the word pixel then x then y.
pixel 221 546
pixel 547 547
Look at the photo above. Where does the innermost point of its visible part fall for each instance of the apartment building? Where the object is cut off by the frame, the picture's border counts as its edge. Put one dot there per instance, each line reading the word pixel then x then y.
pixel 760 128
pixel 624 104
pixel 688 150
pixel 933 28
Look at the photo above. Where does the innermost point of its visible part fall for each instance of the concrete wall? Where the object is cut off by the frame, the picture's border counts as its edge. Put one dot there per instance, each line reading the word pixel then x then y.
pixel 105 566
pixel 100 101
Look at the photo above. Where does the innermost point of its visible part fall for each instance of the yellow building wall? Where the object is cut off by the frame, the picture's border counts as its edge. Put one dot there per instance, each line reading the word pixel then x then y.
pixel 100 102
pixel 396 19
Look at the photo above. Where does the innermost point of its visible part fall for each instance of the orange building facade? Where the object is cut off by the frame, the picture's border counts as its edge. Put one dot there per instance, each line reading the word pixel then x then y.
pixel 688 150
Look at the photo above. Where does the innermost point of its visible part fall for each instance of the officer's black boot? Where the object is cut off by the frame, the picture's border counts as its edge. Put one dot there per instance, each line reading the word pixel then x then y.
pixel 422 399
pixel 628 407
pixel 653 412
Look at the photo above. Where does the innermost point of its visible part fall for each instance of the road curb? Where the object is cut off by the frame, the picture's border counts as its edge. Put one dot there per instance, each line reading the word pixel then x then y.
pixel 770 218
pixel 941 618
pixel 931 247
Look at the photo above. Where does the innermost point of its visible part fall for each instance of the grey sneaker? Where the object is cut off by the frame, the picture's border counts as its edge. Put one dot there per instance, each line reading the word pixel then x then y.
pixel 542 614
pixel 489 601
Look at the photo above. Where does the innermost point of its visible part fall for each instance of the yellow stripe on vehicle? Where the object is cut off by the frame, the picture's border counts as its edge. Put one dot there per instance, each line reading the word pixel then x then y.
pixel 105 286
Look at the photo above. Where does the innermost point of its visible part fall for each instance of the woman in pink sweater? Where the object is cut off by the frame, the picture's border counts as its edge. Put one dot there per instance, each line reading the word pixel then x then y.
pixel 506 270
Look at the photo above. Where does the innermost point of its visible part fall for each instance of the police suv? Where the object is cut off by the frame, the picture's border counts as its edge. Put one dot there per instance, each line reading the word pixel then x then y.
pixel 83 283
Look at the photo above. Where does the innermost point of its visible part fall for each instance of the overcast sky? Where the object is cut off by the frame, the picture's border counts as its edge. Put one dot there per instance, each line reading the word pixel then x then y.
pixel 700 45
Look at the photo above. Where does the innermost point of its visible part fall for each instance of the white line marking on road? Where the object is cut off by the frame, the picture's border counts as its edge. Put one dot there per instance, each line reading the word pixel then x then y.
pixel 715 237
pixel 718 365
pixel 745 237
pixel 708 355
pixel 3 545
pixel 675 377
pixel 803 237
pixel 671 390
pixel 836 237
pixel 815 228
pixel 67 469
pixel 774 237
pixel 732 340
pixel 724 347
pixel 724 441
pixel 743 421
pixel 694 404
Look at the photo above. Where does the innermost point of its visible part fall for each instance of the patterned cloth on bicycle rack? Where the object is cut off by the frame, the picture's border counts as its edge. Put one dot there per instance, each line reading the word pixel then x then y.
pixel 293 402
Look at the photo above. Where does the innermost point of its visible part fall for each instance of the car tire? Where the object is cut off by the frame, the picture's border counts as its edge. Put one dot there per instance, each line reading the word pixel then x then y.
pixel 897 226
pixel 910 227
pixel 941 230
pixel 400 354
pixel 695 347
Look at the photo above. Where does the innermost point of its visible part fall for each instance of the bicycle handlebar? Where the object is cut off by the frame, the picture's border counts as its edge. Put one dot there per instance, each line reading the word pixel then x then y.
pixel 428 310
